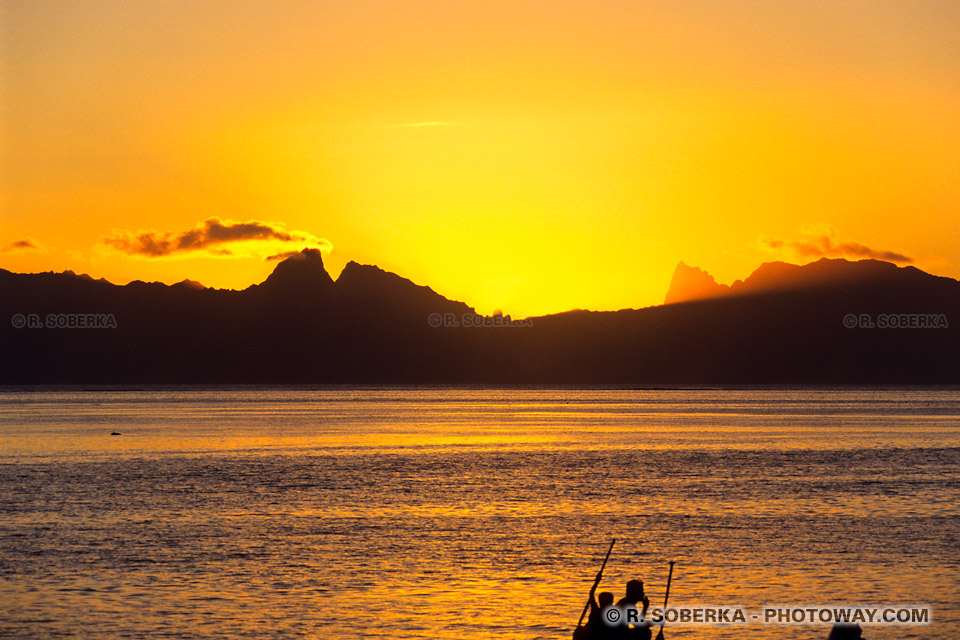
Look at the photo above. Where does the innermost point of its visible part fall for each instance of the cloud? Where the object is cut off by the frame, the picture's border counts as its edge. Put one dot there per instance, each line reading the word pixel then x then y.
pixel 820 241
pixel 214 237
pixel 25 245
pixel 282 256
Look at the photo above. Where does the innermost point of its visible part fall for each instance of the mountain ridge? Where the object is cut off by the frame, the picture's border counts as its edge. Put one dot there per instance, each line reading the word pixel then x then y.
pixel 783 324
pixel 691 284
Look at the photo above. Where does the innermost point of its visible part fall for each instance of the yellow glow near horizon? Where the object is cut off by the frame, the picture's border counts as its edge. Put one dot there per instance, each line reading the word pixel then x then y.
pixel 506 154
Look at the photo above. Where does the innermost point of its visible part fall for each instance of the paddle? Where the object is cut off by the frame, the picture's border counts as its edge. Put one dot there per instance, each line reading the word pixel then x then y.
pixel 667 595
pixel 592 589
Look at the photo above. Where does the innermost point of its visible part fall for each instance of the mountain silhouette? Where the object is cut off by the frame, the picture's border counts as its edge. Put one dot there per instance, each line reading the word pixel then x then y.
pixel 368 289
pixel 299 274
pixel 828 322
pixel 691 283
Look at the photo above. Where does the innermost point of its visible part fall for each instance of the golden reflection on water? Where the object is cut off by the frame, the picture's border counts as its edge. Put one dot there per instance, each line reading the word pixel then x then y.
pixel 462 431
pixel 470 513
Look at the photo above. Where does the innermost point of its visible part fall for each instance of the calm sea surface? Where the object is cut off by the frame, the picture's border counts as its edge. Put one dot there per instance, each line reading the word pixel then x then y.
pixel 451 513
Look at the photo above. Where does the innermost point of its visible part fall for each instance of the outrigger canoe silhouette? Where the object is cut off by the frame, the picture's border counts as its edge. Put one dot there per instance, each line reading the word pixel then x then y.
pixel 598 627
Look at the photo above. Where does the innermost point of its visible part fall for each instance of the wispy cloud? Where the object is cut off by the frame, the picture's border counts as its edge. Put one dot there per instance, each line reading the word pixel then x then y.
pixel 821 241
pixel 283 255
pixel 214 237
pixel 24 245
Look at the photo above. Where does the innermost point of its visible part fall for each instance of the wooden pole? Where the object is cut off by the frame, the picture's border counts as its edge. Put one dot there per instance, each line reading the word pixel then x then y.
pixel 665 597
pixel 596 582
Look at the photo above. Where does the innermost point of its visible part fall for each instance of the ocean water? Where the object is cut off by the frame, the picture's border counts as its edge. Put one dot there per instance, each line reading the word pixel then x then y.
pixel 469 513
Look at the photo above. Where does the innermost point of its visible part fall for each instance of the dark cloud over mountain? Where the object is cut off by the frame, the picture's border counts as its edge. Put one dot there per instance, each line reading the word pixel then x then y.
pixel 823 243
pixel 214 236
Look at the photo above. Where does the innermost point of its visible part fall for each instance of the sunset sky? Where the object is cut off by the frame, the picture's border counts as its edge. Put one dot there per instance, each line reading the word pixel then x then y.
pixel 532 157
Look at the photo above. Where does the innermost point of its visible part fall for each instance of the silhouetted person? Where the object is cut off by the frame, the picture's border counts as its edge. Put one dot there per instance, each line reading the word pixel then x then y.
pixel 598 627
pixel 634 625
pixel 846 631
pixel 583 632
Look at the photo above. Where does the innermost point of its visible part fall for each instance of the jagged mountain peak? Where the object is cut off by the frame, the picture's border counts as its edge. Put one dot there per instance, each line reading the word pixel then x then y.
pixel 691 283
pixel 301 272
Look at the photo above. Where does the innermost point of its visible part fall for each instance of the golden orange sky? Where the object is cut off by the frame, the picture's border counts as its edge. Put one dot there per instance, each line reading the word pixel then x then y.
pixel 532 157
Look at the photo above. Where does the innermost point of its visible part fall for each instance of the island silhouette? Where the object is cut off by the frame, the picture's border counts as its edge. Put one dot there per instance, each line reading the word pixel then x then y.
pixel 828 322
